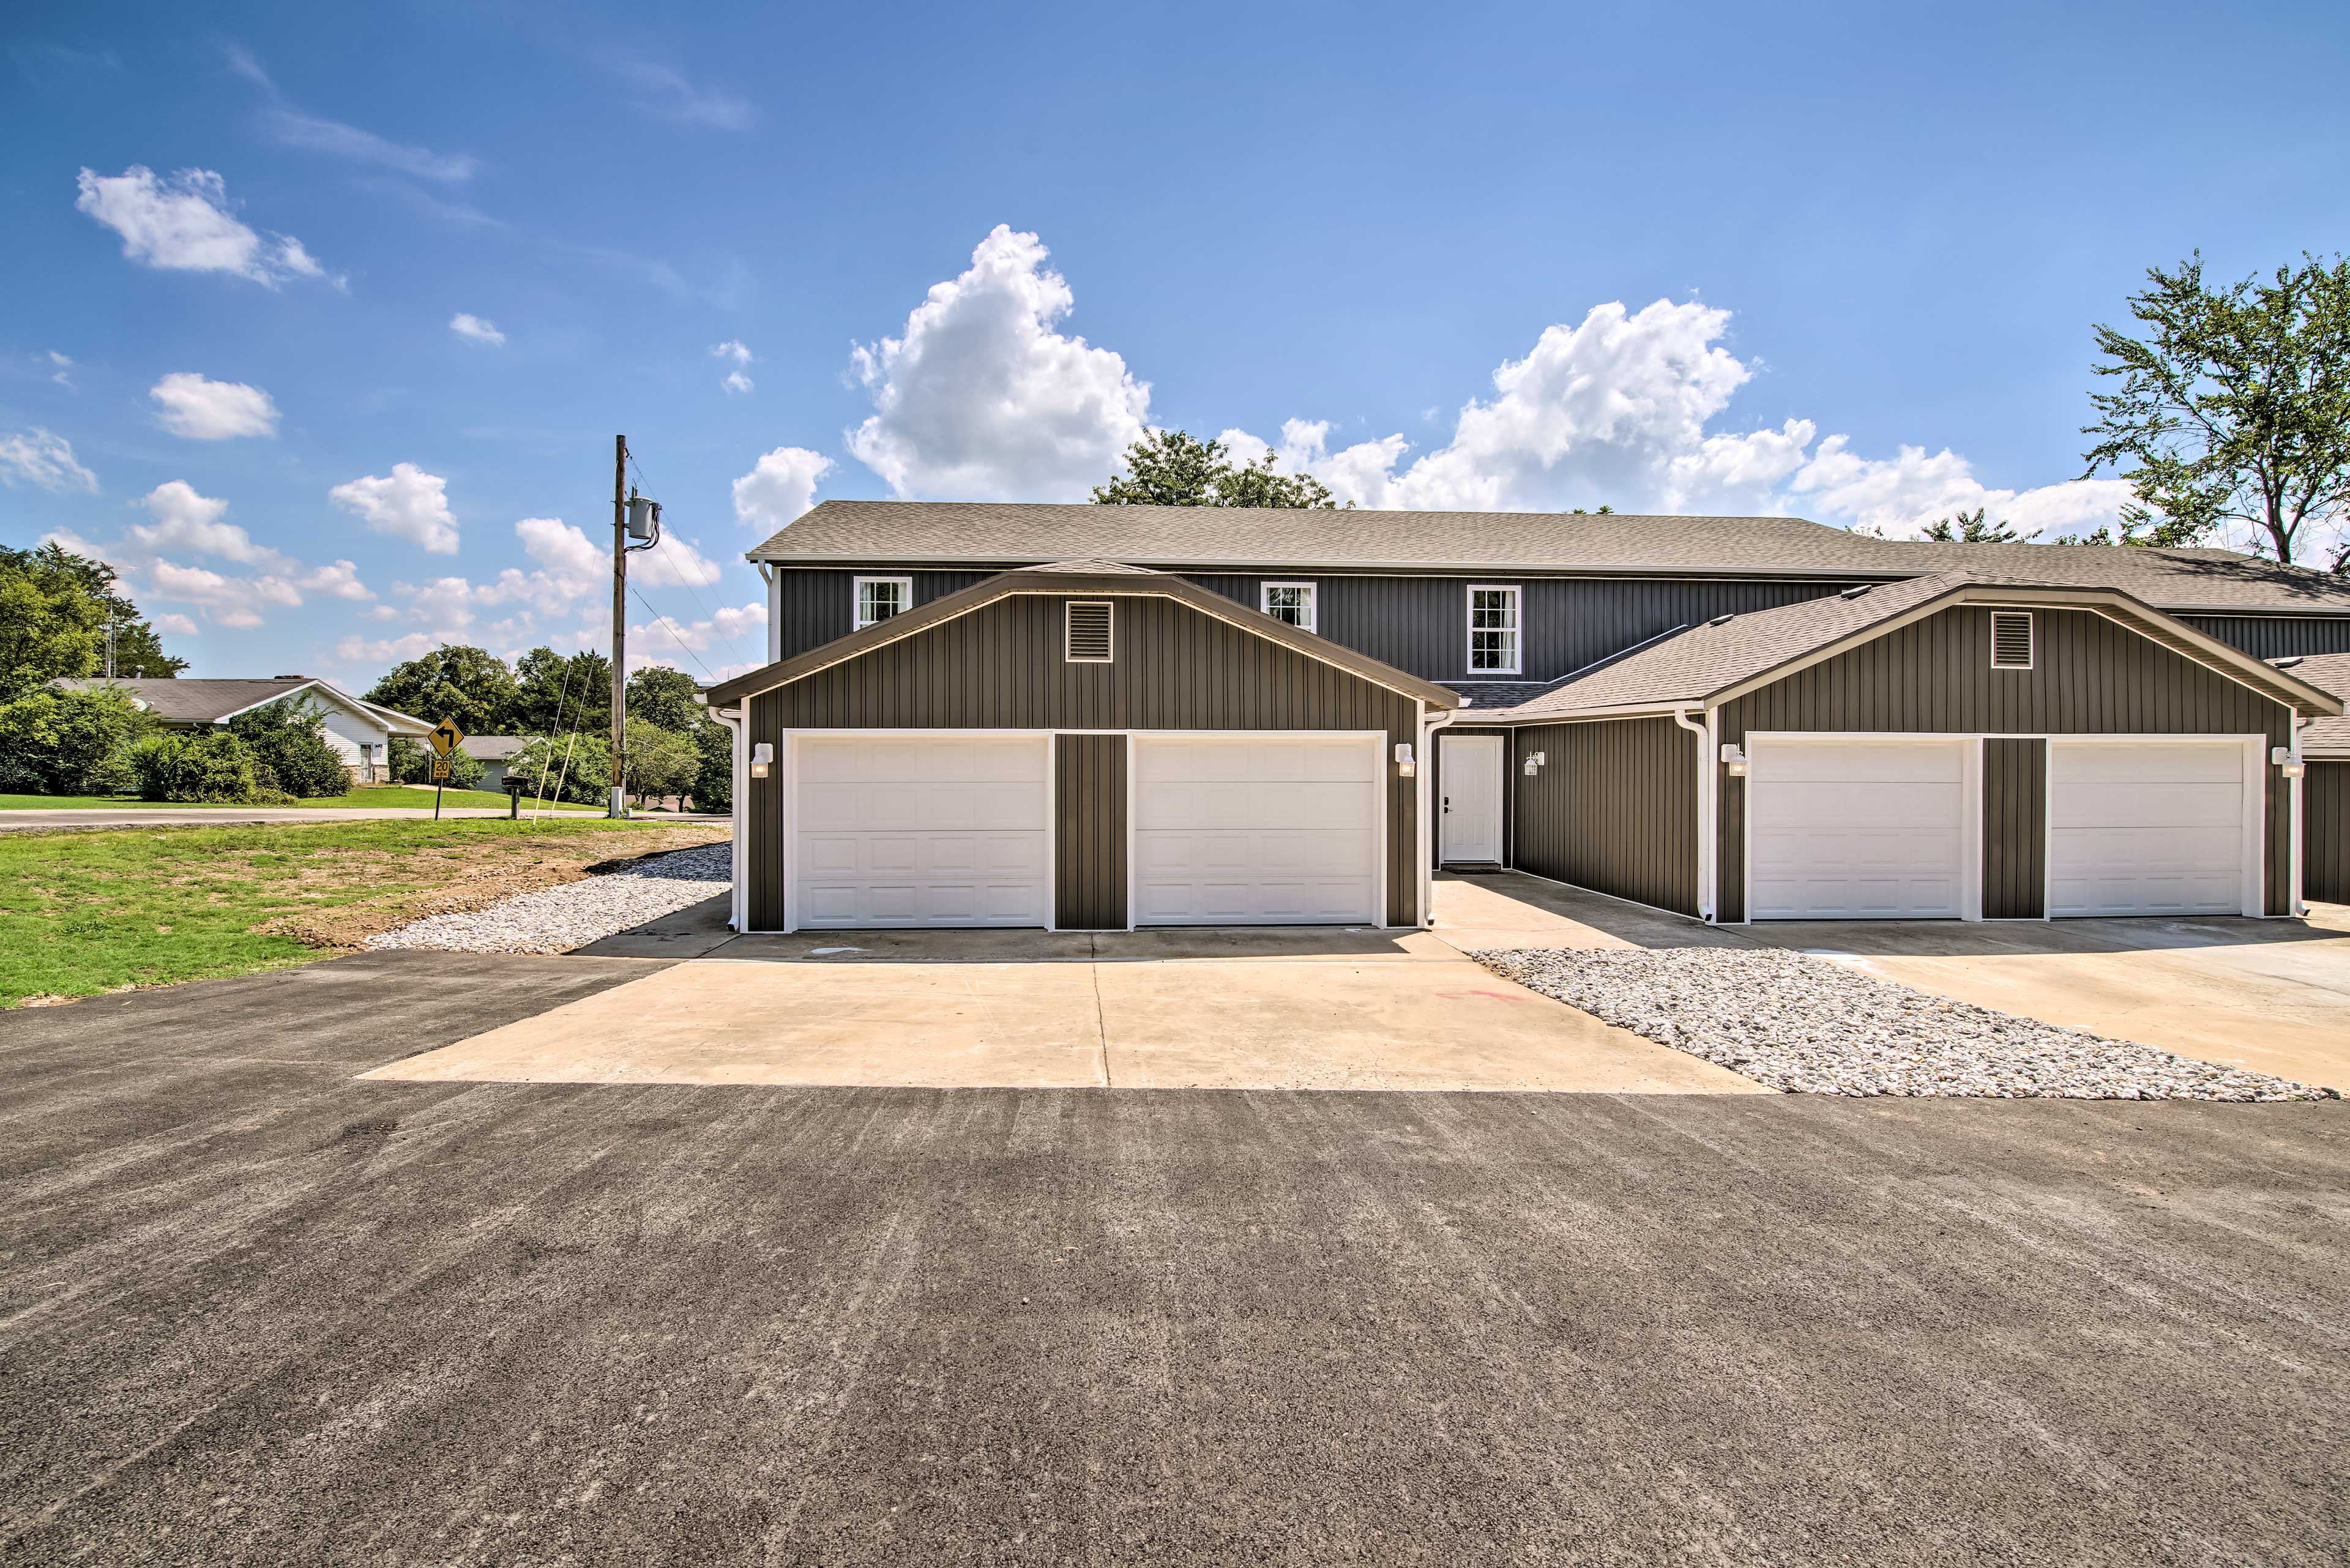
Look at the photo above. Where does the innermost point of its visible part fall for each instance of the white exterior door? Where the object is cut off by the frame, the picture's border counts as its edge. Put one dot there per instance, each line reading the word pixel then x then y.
pixel 940 831
pixel 2149 828
pixel 1860 828
pixel 1471 781
pixel 1257 830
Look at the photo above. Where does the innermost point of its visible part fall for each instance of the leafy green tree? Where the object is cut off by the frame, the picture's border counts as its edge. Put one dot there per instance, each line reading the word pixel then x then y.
pixel 1969 528
pixel 289 739
pixel 54 608
pixel 2234 408
pixel 713 780
pixel 470 685
pixel 558 693
pixel 1171 468
pixel 663 696
pixel 211 766
pixel 571 766
pixel 661 762
pixel 69 742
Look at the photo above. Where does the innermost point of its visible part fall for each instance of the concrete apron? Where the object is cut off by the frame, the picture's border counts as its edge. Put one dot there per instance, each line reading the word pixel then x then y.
pixel 1411 1013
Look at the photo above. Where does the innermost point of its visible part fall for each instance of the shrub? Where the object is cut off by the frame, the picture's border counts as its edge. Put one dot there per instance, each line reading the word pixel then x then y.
pixel 210 765
pixel 464 771
pixel 68 742
pixel 582 763
pixel 290 737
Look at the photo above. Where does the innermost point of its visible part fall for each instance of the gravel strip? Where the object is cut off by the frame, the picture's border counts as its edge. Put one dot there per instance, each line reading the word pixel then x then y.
pixel 1807 1025
pixel 557 919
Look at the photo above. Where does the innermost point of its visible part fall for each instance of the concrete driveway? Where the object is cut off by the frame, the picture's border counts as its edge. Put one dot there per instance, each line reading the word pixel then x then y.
pixel 1308 1008
pixel 259 1310
pixel 2270 995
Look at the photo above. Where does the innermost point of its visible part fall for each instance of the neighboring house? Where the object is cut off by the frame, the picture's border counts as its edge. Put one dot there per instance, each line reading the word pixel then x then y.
pixel 1097 716
pixel 495 753
pixel 360 731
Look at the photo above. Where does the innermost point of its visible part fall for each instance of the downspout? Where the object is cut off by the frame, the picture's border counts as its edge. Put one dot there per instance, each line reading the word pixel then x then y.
pixel 1707 820
pixel 774 611
pixel 2294 903
pixel 1425 770
pixel 737 914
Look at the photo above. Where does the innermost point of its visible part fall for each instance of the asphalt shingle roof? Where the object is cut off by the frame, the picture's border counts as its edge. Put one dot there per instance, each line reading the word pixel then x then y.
pixel 1006 534
pixel 199 702
pixel 2328 672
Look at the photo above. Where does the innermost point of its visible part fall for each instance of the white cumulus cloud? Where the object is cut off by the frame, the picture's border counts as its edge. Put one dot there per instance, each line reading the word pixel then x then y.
pixel 173 622
pixel 983 398
pixel 212 411
pixel 409 503
pixel 185 520
pixel 183 223
pixel 474 329
pixel 780 487
pixel 37 457
pixel 738 357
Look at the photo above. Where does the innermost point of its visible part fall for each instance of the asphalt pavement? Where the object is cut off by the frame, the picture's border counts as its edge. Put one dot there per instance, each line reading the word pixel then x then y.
pixel 254 1311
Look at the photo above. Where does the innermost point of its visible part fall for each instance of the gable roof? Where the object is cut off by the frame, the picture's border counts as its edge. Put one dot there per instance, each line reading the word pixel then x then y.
pixel 1709 664
pixel 206 701
pixel 2328 737
pixel 1007 535
pixel 1081 577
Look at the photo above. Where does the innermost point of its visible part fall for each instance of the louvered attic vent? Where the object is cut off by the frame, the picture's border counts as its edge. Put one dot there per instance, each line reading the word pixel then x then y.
pixel 1089 633
pixel 2010 640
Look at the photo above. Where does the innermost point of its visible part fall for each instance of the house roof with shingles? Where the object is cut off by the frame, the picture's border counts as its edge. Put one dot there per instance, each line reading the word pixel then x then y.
pixel 1708 664
pixel 209 702
pixel 2327 737
pixel 1009 534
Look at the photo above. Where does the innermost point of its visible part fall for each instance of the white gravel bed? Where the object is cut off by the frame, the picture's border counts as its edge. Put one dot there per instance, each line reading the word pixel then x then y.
pixel 557 919
pixel 1806 1025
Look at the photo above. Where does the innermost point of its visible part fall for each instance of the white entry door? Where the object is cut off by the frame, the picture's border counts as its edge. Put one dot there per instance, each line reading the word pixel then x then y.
pixel 1858 828
pixel 946 831
pixel 1262 830
pixel 1469 780
pixel 2149 827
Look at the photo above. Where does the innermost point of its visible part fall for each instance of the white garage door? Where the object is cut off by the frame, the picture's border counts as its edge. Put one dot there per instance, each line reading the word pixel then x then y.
pixel 1863 829
pixel 1256 830
pixel 2146 828
pixel 945 832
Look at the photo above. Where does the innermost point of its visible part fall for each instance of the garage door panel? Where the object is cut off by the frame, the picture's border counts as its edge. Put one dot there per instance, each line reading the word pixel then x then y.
pixel 919 832
pixel 1255 829
pixel 1858 829
pixel 2146 828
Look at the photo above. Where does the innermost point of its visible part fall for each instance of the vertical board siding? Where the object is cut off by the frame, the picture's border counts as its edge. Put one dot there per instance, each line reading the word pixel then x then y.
pixel 2325 832
pixel 2276 636
pixel 1002 666
pixel 813 605
pixel 1089 877
pixel 763 821
pixel 1614 809
pixel 2015 829
pixel 1435 765
pixel 2090 677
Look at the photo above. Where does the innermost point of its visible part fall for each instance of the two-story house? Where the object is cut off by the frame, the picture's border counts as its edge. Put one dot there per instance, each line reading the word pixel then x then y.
pixel 1097 717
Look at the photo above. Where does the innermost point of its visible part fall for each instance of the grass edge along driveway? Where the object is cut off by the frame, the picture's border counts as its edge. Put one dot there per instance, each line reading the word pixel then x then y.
pixel 412 797
pixel 86 913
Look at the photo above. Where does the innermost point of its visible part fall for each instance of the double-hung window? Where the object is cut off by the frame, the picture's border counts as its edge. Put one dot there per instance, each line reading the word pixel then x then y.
pixel 1291 602
pixel 1494 632
pixel 878 598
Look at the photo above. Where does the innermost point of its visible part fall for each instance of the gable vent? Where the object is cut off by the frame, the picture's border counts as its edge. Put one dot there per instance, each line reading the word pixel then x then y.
pixel 1088 632
pixel 2010 640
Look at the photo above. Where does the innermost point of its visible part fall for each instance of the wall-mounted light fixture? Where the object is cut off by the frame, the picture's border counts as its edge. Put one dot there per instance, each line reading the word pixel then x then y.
pixel 1733 759
pixel 763 760
pixel 1534 761
pixel 2286 762
pixel 1405 767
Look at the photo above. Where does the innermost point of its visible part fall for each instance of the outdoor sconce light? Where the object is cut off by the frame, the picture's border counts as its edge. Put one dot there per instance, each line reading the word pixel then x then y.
pixel 2287 763
pixel 1733 759
pixel 1534 761
pixel 763 760
pixel 1404 766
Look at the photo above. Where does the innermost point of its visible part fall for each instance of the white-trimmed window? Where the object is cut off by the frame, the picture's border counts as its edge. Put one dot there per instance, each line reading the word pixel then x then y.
pixel 1493 640
pixel 2010 640
pixel 1290 602
pixel 878 598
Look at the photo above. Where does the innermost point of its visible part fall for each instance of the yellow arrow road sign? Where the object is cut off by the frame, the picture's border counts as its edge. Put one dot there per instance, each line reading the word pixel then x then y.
pixel 447 737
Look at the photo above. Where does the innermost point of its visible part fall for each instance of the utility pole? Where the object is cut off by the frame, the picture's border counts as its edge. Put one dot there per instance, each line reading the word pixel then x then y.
pixel 617 805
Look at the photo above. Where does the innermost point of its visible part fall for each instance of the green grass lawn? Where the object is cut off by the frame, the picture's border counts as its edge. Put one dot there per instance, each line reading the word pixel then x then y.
pixel 387 795
pixel 83 913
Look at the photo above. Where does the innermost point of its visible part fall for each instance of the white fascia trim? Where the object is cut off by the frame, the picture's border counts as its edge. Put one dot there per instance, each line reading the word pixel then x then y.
pixel 266 701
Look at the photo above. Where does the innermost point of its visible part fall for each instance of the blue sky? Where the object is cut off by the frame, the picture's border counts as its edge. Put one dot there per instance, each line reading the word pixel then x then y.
pixel 322 319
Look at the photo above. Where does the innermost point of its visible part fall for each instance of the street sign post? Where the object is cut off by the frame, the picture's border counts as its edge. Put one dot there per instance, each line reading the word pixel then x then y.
pixel 445 738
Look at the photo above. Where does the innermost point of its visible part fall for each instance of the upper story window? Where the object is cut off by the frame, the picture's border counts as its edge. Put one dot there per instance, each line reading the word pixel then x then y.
pixel 1494 641
pixel 1291 602
pixel 878 598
